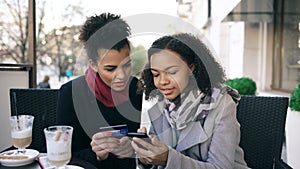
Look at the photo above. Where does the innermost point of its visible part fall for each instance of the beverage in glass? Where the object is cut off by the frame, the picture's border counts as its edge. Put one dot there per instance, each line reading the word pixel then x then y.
pixel 21 131
pixel 58 140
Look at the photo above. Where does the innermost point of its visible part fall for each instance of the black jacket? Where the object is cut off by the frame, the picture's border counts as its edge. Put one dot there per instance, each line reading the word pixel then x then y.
pixel 78 107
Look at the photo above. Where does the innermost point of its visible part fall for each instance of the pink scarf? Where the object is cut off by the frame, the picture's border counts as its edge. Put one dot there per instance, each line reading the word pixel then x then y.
pixel 102 92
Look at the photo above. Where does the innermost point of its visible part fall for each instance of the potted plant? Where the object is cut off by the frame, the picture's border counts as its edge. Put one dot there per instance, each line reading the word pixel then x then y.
pixel 294 103
pixel 244 85
pixel 292 127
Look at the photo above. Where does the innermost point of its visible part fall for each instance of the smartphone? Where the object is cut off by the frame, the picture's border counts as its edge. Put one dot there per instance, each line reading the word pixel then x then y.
pixel 146 139
pixel 139 135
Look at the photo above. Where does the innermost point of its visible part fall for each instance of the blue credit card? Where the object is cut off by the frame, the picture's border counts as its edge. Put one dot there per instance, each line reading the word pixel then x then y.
pixel 116 131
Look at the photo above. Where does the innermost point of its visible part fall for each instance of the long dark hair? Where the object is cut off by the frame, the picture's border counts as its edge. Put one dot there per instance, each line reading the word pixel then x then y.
pixel 208 73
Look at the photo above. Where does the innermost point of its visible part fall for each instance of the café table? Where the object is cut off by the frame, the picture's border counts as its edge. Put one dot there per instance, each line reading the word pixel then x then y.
pixel 36 165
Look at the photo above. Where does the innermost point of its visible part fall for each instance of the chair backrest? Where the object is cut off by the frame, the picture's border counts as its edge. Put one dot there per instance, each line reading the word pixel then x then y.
pixel 262 120
pixel 41 103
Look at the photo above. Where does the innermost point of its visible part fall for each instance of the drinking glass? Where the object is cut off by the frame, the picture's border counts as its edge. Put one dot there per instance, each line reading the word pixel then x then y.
pixel 58 140
pixel 21 132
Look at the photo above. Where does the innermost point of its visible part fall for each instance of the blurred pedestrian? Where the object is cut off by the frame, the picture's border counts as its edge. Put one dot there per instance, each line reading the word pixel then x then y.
pixel 45 82
pixel 69 72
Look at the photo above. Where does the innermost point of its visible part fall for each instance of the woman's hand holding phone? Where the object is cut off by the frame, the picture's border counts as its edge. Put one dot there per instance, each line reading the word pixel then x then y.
pixel 151 152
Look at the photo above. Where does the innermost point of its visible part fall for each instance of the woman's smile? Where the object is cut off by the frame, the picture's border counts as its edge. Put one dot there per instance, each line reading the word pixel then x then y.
pixel 167 91
pixel 119 84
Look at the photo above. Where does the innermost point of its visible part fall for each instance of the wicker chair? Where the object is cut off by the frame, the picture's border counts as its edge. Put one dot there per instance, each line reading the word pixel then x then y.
pixel 262 120
pixel 41 103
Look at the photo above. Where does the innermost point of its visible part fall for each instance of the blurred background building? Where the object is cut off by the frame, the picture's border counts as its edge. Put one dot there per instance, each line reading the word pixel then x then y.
pixel 259 39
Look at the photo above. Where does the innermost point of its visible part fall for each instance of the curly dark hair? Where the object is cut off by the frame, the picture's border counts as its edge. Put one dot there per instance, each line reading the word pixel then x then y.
pixel 208 73
pixel 107 31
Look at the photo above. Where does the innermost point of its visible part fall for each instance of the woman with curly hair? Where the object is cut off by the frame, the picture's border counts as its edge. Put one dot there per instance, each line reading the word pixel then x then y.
pixel 105 96
pixel 193 124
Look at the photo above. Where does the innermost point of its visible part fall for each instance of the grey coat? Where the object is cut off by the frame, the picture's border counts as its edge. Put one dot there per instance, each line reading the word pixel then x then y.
pixel 218 140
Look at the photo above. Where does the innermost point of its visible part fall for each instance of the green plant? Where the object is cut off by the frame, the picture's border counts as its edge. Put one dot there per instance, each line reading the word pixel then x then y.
pixel 244 85
pixel 295 99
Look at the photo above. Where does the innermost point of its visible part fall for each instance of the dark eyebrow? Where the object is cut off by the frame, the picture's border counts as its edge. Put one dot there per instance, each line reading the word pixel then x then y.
pixel 153 70
pixel 114 66
pixel 170 67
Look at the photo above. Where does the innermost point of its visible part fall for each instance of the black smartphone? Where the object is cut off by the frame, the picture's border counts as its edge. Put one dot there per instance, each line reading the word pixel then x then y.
pixel 139 135
pixel 142 136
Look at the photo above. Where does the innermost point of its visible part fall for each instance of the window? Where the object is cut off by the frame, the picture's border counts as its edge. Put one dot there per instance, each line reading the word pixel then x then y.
pixel 286 65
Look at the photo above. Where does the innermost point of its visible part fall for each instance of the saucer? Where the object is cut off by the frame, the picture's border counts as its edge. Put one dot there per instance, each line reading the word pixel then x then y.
pixel 8 159
pixel 43 160
pixel 67 167
pixel 73 167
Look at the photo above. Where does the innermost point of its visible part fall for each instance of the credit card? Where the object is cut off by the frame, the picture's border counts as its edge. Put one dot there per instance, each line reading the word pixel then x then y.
pixel 116 131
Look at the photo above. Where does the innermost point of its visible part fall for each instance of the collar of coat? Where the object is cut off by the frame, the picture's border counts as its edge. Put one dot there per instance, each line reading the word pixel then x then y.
pixel 192 135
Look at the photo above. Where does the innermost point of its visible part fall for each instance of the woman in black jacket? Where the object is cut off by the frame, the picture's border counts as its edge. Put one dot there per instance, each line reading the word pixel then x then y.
pixel 105 96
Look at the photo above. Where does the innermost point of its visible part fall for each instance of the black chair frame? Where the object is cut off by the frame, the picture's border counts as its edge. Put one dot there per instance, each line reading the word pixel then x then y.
pixel 262 120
